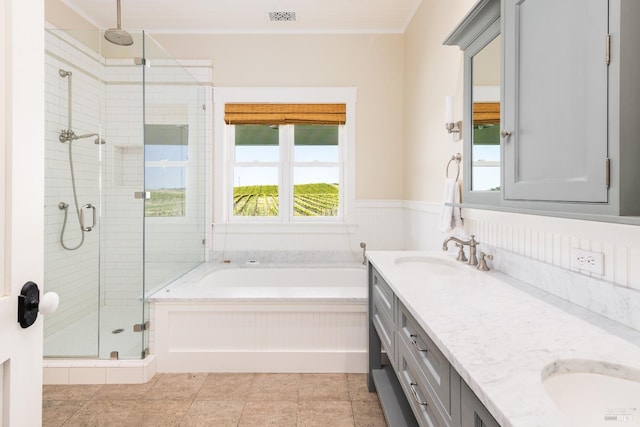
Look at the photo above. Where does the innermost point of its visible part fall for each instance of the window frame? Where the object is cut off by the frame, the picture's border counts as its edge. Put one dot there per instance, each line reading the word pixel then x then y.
pixel 224 157
pixel 187 165
pixel 286 166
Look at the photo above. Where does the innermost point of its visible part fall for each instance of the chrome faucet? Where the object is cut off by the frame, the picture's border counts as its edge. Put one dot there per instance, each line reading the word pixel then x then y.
pixel 473 259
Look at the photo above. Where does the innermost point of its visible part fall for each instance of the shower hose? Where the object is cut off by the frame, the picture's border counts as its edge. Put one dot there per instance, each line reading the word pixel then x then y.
pixel 65 207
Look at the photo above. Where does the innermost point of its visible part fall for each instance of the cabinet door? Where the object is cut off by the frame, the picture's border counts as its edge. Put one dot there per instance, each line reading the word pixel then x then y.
pixel 472 412
pixel 555 100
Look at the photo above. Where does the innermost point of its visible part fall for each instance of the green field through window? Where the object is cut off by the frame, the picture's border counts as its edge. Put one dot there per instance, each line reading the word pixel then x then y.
pixel 308 200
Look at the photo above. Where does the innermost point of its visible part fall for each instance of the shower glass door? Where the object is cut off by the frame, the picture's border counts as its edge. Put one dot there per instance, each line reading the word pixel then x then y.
pixel 174 170
pixel 94 222
pixel 125 188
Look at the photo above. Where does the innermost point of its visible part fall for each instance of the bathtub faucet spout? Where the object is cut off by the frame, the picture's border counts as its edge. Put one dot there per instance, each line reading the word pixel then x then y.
pixel 363 245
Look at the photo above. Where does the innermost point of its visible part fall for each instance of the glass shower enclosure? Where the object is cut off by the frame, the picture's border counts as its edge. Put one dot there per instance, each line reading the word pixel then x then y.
pixel 125 188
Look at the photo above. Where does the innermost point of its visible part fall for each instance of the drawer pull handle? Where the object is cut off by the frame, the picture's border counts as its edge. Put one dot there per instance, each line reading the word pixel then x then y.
pixel 415 394
pixel 415 343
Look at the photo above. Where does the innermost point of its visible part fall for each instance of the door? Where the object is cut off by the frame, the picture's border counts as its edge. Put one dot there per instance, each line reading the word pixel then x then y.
pixel 555 100
pixel 21 206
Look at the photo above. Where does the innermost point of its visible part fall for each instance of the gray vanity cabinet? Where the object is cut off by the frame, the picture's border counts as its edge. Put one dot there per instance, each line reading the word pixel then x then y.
pixel 555 100
pixel 418 386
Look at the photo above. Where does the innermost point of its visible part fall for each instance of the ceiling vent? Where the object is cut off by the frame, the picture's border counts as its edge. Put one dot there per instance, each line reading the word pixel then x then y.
pixel 282 16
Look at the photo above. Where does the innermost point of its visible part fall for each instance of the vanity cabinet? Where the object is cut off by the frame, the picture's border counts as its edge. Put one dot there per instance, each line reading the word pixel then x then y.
pixel 418 386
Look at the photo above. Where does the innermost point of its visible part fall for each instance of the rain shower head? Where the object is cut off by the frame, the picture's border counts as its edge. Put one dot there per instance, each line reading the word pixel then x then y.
pixel 118 35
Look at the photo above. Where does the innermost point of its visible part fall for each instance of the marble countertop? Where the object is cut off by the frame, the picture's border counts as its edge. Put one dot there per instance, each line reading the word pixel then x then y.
pixel 503 336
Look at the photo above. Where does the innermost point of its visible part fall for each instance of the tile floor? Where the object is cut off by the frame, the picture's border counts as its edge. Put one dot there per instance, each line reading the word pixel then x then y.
pixel 218 399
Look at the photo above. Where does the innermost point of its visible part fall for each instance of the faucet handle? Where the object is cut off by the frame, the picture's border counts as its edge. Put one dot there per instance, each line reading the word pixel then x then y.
pixel 482 263
pixel 461 255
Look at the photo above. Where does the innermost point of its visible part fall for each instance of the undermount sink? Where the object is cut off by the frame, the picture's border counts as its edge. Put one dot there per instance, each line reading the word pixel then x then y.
pixel 426 264
pixel 600 394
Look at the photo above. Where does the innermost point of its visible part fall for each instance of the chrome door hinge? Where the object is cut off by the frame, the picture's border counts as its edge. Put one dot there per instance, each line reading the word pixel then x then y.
pixel 607 50
pixel 607 172
pixel 139 327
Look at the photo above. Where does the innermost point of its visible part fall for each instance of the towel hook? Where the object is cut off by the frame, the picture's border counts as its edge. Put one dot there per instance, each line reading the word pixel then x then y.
pixel 457 158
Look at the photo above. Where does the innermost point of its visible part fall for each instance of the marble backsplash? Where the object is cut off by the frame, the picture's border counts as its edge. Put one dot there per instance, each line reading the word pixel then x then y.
pixel 615 302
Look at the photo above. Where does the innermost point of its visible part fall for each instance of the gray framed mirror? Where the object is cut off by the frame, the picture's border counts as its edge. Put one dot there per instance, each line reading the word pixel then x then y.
pixel 482 155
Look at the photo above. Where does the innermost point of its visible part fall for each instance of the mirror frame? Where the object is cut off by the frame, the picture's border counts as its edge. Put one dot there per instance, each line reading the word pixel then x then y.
pixel 469 196
pixel 476 30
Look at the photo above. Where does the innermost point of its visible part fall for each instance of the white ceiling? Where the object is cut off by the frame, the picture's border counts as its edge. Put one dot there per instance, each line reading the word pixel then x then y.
pixel 250 16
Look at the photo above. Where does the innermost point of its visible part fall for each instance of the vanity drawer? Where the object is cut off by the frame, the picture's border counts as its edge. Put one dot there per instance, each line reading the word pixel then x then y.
pixel 430 360
pixel 418 392
pixel 383 292
pixel 382 319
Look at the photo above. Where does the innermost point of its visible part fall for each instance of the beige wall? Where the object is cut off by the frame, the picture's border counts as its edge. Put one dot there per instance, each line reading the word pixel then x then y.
pixel 372 63
pixel 431 72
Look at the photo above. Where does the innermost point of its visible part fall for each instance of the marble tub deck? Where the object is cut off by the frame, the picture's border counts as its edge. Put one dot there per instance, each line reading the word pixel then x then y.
pixel 218 399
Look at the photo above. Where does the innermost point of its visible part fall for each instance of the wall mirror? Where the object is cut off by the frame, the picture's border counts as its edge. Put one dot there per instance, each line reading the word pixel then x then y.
pixel 481 118
pixel 485 114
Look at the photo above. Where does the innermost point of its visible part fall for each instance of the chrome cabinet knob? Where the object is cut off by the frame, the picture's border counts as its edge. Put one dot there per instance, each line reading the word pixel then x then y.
pixel 506 133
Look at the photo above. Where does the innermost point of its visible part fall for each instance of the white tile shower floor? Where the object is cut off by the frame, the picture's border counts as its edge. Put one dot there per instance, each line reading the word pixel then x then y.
pixel 94 336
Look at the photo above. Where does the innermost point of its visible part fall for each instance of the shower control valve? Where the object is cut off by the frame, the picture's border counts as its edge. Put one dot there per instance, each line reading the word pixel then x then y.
pixel 67 135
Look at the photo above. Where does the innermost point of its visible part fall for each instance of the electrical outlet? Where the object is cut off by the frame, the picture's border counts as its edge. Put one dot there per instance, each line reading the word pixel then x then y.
pixel 587 261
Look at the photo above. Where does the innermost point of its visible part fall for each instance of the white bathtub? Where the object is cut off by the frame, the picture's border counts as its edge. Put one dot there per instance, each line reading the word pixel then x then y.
pixel 262 319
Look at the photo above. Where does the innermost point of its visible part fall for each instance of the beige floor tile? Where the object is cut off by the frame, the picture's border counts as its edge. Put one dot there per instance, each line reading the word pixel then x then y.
pixel 225 386
pixel 323 414
pixel 102 413
pixel 158 413
pixel 368 414
pixel 124 391
pixel 213 413
pixel 324 387
pixel 70 392
pixel 358 390
pixel 277 414
pixel 176 387
pixel 56 412
pixel 275 387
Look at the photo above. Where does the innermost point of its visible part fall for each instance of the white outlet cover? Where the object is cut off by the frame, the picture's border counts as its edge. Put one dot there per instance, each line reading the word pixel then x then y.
pixel 587 261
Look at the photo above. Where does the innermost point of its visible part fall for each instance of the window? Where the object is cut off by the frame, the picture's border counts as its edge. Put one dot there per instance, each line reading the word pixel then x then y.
pixel 280 168
pixel 286 171
pixel 166 158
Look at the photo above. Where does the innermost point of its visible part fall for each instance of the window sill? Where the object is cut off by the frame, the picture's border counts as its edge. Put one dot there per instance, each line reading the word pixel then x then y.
pixel 286 228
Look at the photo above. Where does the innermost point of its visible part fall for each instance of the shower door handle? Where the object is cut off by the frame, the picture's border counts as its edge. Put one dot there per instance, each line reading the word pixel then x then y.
pixel 93 217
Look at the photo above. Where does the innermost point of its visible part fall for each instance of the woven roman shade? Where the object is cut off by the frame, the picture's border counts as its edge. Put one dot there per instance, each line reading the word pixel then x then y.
pixel 284 114
pixel 486 113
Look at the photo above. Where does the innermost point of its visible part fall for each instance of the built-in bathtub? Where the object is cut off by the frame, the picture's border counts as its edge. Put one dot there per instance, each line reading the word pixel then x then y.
pixel 255 318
